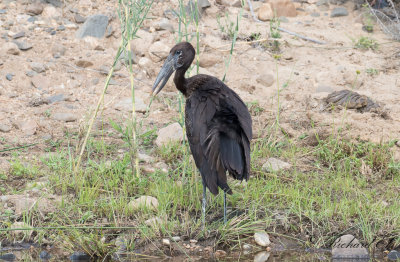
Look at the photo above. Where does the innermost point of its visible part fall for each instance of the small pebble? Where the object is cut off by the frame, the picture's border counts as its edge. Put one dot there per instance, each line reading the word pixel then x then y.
pixel 166 242
pixel 176 239
pixel 44 255
pixel 8 257
pixel 79 256
pixel 9 77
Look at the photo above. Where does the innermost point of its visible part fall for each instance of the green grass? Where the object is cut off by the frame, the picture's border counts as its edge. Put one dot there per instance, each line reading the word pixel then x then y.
pixel 326 193
pixel 365 42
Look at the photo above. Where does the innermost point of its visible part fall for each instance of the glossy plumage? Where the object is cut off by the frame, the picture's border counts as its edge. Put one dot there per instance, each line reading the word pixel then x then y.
pixel 218 123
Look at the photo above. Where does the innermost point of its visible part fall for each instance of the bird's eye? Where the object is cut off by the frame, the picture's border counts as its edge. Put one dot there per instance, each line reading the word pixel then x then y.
pixel 179 52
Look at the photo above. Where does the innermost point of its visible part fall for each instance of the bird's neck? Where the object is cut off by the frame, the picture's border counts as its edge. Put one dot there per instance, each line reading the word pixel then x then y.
pixel 180 81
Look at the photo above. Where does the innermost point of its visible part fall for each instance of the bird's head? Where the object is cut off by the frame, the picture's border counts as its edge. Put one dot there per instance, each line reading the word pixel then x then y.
pixel 180 57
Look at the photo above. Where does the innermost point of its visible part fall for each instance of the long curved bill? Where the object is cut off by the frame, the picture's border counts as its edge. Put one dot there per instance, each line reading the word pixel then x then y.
pixel 164 74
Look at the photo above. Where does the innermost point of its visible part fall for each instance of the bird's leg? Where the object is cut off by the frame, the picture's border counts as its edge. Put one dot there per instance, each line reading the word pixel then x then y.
pixel 224 207
pixel 203 206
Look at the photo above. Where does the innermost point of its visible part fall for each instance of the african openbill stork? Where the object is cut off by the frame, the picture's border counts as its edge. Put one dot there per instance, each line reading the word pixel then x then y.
pixel 218 123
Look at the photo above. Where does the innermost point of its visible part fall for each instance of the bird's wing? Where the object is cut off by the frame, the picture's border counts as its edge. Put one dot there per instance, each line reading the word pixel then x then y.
pixel 198 113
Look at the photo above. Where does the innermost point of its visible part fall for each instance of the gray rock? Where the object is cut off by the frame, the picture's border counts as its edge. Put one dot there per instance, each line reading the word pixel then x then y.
pixel 35 8
pixel 126 105
pixel 66 117
pixel 38 67
pixel 170 133
pixel 339 11
pixel 247 247
pixel 79 19
pixel 203 3
pixel 348 247
pixel 79 256
pixel 61 28
pixel 145 158
pixel 56 98
pixel 44 255
pixel 275 165
pixel 94 25
pixel 262 238
pixel 8 257
pixel 22 45
pixel 261 256
pixel 315 14
pixel 3 11
pixel 5 128
pixel 18 35
pixel 9 77
pixel 109 31
pixel 393 255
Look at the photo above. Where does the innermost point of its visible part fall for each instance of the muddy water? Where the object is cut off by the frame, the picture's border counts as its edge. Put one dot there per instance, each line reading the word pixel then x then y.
pixel 283 256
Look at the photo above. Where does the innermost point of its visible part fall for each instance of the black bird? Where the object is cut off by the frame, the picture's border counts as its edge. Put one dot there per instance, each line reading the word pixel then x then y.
pixel 218 123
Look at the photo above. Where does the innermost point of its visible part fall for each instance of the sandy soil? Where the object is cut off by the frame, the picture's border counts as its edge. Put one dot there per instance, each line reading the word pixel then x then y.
pixel 310 71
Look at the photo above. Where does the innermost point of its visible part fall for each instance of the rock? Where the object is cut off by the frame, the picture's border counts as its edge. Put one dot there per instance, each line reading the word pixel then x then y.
pixel 66 117
pixel 61 28
pixel 393 255
pixel 140 45
pixel 8 257
pixel 79 256
pixel 22 45
pixel 10 48
pixel 153 222
pixel 44 255
pixel 265 12
pixel 3 11
pixel 166 242
pixel 261 256
pixel 266 79
pixel 158 51
pixel 28 127
pixel 5 128
pixel 262 239
pixel 40 82
pixel 23 204
pixel 164 24
pixel 220 253
pixel 79 19
pixel 176 239
pixel 283 8
pixel 18 35
pixel 37 67
pixel 20 233
pixel 323 5
pixel 348 247
pixel 203 4
pixel 34 9
pixel 126 105
pixel 83 63
pixel 58 50
pixel 50 12
pixel 208 60
pixel 9 77
pixel 275 165
pixel 148 202
pixel 170 133
pixel 247 247
pixel 339 11
pixel 94 25
pixel 55 98
pixel 315 14
pixel 145 158
pixel 37 101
